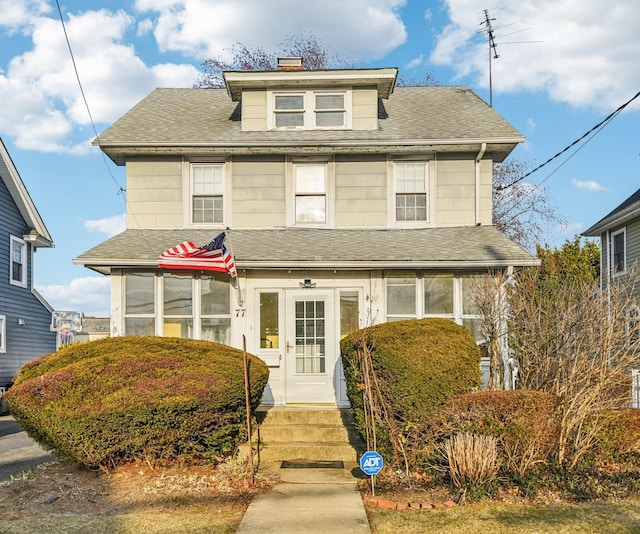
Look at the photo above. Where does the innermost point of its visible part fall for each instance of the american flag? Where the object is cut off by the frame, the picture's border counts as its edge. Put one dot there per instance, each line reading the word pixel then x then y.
pixel 213 256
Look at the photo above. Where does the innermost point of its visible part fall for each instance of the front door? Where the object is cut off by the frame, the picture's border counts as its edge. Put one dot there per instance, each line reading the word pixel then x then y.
pixel 310 353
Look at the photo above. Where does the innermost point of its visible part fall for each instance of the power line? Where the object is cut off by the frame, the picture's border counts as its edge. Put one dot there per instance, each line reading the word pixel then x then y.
pixel 121 190
pixel 601 124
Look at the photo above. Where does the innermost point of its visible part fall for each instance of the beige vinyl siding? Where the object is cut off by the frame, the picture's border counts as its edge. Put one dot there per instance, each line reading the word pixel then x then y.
pixel 365 109
pixel 154 193
pixel 254 111
pixel 456 190
pixel 486 192
pixel 361 193
pixel 258 193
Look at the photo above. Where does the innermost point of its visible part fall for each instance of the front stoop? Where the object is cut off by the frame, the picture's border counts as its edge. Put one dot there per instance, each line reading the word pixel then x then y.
pixel 304 433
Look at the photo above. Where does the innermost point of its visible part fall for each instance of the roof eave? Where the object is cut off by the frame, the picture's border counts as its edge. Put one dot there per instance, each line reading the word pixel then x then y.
pixel 613 220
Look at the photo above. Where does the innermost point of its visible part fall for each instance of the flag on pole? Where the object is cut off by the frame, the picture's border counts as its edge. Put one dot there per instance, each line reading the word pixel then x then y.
pixel 213 256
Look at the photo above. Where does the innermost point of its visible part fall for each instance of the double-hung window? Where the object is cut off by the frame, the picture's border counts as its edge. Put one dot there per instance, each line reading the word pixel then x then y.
pixel 310 184
pixel 411 191
pixel 310 110
pixel 18 267
pixel 207 193
pixel 618 252
pixel 289 111
pixel 330 110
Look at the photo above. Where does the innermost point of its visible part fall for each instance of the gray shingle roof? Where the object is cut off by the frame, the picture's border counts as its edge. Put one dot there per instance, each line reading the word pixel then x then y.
pixel 628 209
pixel 208 118
pixel 451 247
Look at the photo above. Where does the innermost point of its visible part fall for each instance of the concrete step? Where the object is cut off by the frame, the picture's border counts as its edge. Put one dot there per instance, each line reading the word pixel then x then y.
pixel 296 450
pixel 302 415
pixel 270 433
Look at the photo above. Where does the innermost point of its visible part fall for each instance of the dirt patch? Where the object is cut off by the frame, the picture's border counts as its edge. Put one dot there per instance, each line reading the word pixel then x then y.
pixel 63 488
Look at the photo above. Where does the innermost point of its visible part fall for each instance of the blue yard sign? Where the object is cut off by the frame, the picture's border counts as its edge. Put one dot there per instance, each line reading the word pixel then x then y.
pixel 371 463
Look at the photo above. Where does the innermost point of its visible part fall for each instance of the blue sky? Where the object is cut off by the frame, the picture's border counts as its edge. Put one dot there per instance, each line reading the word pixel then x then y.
pixel 564 65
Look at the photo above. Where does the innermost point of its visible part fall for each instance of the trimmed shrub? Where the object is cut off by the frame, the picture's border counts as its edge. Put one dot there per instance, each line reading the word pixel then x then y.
pixel 619 438
pixel 521 420
pixel 120 399
pixel 416 363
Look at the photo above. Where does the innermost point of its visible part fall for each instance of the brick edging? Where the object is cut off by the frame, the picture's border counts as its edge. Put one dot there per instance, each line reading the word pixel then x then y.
pixel 395 505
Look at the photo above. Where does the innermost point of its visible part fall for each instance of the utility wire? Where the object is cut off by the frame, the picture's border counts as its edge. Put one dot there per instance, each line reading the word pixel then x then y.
pixel 601 124
pixel 121 190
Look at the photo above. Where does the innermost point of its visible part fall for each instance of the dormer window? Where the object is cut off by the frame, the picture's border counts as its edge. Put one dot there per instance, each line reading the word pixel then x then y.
pixel 309 110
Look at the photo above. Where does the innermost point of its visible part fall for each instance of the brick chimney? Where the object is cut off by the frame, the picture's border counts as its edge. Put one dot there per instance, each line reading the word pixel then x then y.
pixel 289 63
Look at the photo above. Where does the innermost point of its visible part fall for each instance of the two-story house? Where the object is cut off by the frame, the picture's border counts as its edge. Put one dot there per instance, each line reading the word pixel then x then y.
pixel 346 201
pixel 25 317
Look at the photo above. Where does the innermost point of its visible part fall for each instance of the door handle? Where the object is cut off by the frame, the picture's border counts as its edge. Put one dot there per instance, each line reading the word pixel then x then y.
pixel 288 347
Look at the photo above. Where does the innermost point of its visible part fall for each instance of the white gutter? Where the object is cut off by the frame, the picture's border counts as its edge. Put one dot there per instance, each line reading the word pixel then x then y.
pixel 313 143
pixel 483 148
pixel 352 265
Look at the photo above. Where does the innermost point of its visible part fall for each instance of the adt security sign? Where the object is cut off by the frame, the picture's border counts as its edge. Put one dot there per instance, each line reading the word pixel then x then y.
pixel 371 463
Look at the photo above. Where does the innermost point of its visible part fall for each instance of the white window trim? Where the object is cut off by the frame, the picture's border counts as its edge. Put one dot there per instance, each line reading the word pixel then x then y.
pixel 25 261
pixel 329 191
pixel 458 316
pixel 391 194
pixel 3 333
pixel 309 110
pixel 624 244
pixel 187 192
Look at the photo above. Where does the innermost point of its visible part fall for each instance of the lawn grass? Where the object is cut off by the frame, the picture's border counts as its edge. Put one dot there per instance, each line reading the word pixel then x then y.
pixel 603 516
pixel 209 518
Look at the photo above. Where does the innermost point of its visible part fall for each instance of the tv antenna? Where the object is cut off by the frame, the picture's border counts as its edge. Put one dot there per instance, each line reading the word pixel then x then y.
pixel 493 53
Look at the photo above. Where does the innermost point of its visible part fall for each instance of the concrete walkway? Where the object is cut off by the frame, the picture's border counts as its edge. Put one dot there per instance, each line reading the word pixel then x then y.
pixel 312 501
pixel 18 452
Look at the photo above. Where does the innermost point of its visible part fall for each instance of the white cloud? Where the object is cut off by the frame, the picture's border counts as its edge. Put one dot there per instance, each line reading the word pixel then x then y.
pixel 569 229
pixel 46 102
pixel 588 185
pixel 89 295
pixel 366 29
pixel 415 62
pixel 109 226
pixel 584 53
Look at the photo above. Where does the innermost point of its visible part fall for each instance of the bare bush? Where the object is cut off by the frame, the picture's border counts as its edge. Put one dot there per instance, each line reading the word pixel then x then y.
pixel 573 340
pixel 472 460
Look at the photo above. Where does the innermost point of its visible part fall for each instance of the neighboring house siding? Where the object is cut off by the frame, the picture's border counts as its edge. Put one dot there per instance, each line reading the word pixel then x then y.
pixel 633 242
pixel 154 193
pixel 32 339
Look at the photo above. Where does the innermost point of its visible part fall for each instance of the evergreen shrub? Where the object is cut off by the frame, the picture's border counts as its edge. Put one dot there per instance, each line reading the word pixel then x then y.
pixel 115 400
pixel 417 364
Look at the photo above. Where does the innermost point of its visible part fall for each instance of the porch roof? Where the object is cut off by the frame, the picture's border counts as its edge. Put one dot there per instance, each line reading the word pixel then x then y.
pixel 478 247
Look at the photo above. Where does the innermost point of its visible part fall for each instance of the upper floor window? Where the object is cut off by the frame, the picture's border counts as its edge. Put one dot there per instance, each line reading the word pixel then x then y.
pixel 18 268
pixel 310 110
pixel 618 252
pixel 310 193
pixel 207 193
pixel 411 192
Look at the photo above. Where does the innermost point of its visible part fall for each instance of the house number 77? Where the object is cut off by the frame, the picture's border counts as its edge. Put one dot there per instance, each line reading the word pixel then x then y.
pixel 240 312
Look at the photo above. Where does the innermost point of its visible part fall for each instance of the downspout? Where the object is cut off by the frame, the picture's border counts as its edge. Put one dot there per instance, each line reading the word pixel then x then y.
pixel 483 148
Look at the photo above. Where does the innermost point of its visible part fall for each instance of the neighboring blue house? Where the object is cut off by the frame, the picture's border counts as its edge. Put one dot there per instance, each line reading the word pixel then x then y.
pixel 25 316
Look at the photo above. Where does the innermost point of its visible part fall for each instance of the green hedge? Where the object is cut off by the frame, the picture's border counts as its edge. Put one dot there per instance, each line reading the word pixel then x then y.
pixel 418 363
pixel 115 400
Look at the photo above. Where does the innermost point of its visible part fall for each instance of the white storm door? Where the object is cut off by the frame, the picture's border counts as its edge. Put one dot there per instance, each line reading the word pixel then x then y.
pixel 310 347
